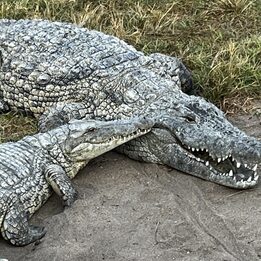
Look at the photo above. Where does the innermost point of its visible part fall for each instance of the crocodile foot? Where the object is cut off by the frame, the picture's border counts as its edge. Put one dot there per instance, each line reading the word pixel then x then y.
pixel 61 184
pixel 16 229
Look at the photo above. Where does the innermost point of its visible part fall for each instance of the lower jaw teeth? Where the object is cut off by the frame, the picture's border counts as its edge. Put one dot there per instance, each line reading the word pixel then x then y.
pixel 252 180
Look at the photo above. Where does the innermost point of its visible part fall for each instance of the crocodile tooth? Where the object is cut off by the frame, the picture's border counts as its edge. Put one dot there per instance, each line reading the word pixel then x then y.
pixel 207 163
pixel 198 159
pixel 242 181
pixel 256 177
pixel 255 168
pixel 219 160
pixel 245 165
pixel 238 164
pixel 206 150
pixel 230 173
pixel 249 179
pixel 189 147
pixel 193 149
pixel 223 159
pixel 197 149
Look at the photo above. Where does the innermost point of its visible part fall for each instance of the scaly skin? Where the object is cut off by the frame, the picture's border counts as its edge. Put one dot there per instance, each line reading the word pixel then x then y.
pixel 60 71
pixel 33 167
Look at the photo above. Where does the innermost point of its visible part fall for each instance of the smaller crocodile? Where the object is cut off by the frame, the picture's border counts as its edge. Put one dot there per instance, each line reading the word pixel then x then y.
pixel 33 167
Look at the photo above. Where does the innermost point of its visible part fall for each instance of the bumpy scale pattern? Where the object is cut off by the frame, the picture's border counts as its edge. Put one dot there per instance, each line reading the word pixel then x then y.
pixel 45 63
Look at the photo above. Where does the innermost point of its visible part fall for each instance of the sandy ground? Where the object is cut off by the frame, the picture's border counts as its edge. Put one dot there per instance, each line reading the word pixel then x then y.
pixel 129 210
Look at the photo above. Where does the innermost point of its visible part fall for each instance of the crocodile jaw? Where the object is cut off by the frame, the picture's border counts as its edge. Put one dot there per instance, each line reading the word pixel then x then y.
pixel 226 171
pixel 92 149
pixel 200 162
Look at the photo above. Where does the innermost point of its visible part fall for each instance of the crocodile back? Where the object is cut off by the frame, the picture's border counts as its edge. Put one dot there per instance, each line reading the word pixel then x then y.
pixel 44 63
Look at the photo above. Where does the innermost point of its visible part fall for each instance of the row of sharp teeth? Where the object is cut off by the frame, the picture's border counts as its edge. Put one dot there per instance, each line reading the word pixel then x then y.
pixel 206 150
pixel 250 181
pixel 139 131
pixel 238 164
pixel 231 174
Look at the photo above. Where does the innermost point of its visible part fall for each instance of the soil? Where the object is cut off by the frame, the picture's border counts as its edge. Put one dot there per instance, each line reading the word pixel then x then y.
pixel 128 210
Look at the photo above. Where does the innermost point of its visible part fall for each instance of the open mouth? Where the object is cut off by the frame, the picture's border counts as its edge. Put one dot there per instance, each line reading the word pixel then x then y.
pixel 227 169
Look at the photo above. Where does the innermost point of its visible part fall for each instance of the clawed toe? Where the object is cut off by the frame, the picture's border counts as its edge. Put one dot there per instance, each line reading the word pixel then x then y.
pixel 35 234
pixel 68 202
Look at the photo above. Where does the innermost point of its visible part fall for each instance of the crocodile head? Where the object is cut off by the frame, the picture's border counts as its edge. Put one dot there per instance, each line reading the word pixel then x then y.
pixel 79 141
pixel 88 139
pixel 195 137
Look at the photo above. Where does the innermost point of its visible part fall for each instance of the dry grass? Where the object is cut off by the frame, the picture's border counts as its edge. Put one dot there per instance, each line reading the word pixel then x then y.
pixel 218 40
pixel 13 126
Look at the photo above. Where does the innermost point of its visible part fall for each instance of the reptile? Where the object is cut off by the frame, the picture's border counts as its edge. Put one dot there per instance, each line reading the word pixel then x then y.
pixel 33 167
pixel 60 71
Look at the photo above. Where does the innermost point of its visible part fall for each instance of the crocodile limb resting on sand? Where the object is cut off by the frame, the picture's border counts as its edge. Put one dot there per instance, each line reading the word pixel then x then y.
pixel 59 71
pixel 33 167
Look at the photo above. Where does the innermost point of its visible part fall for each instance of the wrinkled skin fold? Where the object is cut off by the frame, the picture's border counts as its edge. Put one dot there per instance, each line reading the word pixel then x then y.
pixel 59 71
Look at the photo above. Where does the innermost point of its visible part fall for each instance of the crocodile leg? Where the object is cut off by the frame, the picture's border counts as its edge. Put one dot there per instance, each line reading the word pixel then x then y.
pixel 173 68
pixel 61 184
pixel 62 114
pixel 17 230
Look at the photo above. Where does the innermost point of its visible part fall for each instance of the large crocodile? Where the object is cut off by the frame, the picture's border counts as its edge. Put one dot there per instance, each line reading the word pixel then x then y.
pixel 34 166
pixel 62 71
